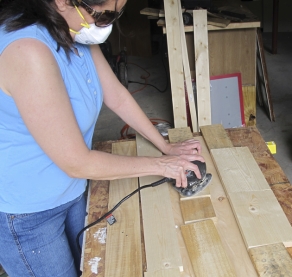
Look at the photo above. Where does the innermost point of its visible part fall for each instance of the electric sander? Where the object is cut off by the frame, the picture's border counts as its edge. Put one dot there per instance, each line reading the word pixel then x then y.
pixel 195 185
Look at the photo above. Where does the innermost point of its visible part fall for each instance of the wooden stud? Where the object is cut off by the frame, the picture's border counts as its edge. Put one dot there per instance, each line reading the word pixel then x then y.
pixel 187 74
pixel 175 63
pixel 202 67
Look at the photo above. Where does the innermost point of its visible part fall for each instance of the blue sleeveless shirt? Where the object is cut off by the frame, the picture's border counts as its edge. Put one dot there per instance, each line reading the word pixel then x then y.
pixel 29 180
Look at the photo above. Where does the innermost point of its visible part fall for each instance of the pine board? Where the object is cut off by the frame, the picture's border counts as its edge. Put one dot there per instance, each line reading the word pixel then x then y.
pixel 123 239
pixel 271 260
pixel 163 273
pixel 196 209
pixel 225 221
pixel 206 251
pixel 238 170
pixel 187 74
pixel 215 136
pixel 202 66
pixel 179 134
pixel 175 63
pixel 259 217
pixel 161 241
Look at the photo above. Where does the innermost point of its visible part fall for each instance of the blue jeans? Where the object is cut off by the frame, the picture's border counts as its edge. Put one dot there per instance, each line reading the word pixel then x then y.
pixel 42 244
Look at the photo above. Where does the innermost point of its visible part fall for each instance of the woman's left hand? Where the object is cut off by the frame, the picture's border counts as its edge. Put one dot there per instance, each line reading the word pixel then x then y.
pixel 188 147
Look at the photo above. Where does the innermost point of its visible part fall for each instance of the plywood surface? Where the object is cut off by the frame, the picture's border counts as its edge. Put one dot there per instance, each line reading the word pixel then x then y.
pixel 206 251
pixel 123 238
pixel 271 260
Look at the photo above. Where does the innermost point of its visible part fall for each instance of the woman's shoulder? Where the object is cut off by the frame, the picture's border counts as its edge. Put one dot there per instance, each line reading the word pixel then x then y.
pixel 34 32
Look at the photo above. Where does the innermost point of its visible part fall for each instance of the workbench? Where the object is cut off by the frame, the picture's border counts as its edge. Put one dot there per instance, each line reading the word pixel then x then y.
pixel 99 190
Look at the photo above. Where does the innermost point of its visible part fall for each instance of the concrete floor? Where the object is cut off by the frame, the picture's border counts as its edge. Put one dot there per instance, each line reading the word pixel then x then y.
pixel 158 105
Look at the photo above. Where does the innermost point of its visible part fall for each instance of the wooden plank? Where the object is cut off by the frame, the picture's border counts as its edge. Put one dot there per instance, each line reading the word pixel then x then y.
pixel 225 221
pixel 202 67
pixel 187 74
pixel 123 239
pixel 251 138
pixel 150 11
pixel 231 26
pixel 260 218
pixel 271 260
pixel 161 241
pixel 196 209
pixel 249 97
pixel 179 134
pixel 215 136
pixel 206 251
pixel 218 22
pixel 175 63
pixel 238 170
pixel 163 273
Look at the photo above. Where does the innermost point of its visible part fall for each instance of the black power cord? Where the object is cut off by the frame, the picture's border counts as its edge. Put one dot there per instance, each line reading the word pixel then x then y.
pixel 159 182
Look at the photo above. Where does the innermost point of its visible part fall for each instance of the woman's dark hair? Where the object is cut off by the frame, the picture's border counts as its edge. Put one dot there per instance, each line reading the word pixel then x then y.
pixel 18 14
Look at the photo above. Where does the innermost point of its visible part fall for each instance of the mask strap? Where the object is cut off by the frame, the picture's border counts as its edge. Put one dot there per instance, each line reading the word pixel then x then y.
pixel 85 24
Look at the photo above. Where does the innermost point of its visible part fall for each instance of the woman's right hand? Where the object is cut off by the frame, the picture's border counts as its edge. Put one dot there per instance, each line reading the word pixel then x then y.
pixel 175 167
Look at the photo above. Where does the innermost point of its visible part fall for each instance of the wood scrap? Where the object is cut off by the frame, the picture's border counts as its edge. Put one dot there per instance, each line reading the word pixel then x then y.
pixel 271 260
pixel 205 249
pixel 195 209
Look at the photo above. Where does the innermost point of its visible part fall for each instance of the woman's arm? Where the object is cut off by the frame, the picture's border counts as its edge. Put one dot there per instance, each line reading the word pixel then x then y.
pixel 30 74
pixel 120 101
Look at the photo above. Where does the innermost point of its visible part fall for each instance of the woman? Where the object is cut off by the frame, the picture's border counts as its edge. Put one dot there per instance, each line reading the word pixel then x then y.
pixel 53 80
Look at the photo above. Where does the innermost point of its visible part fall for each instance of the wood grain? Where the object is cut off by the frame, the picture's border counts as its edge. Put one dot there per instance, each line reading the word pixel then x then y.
pixel 175 63
pixel 187 74
pixel 179 134
pixel 202 67
pixel 225 221
pixel 205 249
pixel 260 218
pixel 123 247
pixel 163 273
pixel 215 136
pixel 249 101
pixel 196 209
pixel 161 242
pixel 271 260
pixel 238 170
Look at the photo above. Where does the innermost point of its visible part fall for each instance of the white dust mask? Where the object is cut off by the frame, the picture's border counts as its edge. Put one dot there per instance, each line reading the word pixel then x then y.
pixel 93 34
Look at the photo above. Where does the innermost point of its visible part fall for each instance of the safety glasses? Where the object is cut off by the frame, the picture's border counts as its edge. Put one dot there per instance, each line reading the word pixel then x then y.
pixel 104 18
